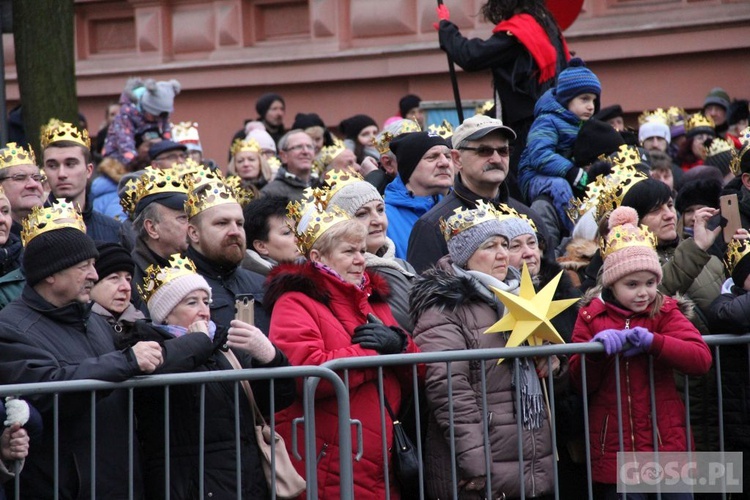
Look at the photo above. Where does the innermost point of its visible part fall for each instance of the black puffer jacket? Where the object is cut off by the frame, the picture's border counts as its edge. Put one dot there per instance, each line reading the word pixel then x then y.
pixel 195 352
pixel 42 343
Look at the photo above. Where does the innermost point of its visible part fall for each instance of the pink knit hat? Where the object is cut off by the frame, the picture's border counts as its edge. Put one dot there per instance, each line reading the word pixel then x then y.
pixel 628 248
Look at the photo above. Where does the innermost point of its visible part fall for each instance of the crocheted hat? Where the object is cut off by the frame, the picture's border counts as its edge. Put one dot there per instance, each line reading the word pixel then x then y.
pixel 628 248
pixel 575 80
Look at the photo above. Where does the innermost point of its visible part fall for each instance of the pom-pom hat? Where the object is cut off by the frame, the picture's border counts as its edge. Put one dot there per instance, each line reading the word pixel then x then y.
pixel 575 80
pixel 628 248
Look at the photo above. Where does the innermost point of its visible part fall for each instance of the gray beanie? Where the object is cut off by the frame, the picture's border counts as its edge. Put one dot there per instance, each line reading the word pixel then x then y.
pixel 159 96
pixel 463 245
pixel 513 227
pixel 353 195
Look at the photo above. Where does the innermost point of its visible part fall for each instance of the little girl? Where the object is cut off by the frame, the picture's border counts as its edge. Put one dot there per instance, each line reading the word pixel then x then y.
pixel 634 321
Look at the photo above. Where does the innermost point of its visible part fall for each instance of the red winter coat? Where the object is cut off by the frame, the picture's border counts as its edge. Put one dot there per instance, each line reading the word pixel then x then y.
pixel 313 320
pixel 677 345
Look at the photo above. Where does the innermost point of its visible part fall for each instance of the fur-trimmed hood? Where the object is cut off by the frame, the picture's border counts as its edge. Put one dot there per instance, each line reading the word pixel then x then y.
pixel 307 279
pixel 684 304
pixel 578 253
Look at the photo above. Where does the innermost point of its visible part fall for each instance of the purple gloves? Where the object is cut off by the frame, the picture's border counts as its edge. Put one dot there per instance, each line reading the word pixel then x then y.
pixel 613 340
pixel 640 339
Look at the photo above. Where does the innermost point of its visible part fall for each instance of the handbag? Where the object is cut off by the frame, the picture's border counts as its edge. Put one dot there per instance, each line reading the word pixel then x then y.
pixel 289 484
pixel 405 458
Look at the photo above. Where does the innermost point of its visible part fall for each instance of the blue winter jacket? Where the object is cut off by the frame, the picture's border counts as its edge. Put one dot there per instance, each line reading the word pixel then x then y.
pixel 403 209
pixel 106 199
pixel 549 145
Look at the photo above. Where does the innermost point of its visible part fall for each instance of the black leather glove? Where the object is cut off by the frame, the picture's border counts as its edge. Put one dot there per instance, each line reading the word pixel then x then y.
pixel 384 339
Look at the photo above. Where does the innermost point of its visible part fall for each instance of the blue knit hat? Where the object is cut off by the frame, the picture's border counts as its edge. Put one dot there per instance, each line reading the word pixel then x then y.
pixel 575 80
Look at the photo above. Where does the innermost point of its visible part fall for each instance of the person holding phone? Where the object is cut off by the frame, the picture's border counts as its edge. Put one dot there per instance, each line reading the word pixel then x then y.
pixel 178 302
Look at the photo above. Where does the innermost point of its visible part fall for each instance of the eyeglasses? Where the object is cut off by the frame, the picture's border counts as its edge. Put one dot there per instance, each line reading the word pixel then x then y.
pixel 300 147
pixel 173 156
pixel 23 178
pixel 487 151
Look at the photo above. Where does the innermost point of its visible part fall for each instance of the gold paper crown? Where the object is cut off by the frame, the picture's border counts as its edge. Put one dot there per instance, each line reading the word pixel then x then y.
pixel 718 146
pixel 187 168
pixel 383 141
pixel 44 219
pixel 274 163
pixel 577 208
pixel 657 115
pixel 615 189
pixel 156 276
pixel 13 155
pixel 198 174
pixel 464 218
pixel 245 145
pixel 312 217
pixel 698 120
pixel 620 237
pixel 676 116
pixel 484 107
pixel 444 130
pixel 327 155
pixel 243 194
pixel 58 131
pixel 152 181
pixel 186 133
pixel 736 250
pixel 209 194
pixel 626 156
pixel 334 180
pixel 745 136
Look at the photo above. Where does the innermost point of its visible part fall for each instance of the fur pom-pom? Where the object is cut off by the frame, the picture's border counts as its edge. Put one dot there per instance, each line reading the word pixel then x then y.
pixel 623 215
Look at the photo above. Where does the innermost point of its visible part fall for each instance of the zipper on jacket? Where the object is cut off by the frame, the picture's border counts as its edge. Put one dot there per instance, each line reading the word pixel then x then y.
pixel 322 452
pixel 603 433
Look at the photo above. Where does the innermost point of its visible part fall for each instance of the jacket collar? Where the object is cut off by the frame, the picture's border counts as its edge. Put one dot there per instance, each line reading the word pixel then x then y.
pixel 208 268
pixel 144 256
pixel 74 313
pixel 287 177
pixel 397 195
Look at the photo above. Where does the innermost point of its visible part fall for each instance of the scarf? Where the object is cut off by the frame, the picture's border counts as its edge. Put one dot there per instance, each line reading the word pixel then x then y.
pixel 533 36
pixel 330 271
pixel 179 331
pixel 386 257
pixel 533 407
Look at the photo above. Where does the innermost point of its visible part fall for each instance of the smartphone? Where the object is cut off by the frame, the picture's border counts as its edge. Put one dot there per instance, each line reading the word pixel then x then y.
pixel 731 212
pixel 244 308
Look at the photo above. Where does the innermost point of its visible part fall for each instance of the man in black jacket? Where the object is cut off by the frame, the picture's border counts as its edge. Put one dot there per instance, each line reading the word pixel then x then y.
pixel 480 155
pixel 216 239
pixel 46 335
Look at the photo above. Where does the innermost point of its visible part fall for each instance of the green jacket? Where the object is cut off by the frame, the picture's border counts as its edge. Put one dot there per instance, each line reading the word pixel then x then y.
pixel 11 286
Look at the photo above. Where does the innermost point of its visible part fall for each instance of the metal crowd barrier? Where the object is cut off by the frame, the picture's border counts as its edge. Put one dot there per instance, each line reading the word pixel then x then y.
pixel 336 373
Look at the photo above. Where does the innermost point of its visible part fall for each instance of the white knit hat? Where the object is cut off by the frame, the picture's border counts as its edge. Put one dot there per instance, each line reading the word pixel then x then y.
pixel 167 296
pixel 352 196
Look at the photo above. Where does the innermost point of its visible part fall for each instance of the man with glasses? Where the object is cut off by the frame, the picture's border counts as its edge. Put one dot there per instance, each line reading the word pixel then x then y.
pixel 481 154
pixel 165 153
pixel 22 182
pixel 297 152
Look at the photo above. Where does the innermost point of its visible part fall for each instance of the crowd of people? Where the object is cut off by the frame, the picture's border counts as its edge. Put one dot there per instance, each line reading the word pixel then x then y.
pixel 126 258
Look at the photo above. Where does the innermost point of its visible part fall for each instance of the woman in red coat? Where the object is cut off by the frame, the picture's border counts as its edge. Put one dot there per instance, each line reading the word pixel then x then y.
pixel 634 321
pixel 320 313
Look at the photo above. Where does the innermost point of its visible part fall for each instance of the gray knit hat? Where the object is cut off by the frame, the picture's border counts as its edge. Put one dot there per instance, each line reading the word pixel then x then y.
pixel 159 96
pixel 514 227
pixel 466 229
pixel 353 195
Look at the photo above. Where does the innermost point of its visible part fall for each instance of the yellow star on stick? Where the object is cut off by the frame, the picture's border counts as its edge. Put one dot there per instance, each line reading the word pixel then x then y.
pixel 529 313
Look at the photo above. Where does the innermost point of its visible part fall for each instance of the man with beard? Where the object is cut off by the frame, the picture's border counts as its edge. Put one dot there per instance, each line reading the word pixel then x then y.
pixel 216 239
pixel 480 155
pixel 48 334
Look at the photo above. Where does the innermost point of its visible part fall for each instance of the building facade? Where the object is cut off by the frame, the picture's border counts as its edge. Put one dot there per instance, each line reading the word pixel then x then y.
pixel 341 57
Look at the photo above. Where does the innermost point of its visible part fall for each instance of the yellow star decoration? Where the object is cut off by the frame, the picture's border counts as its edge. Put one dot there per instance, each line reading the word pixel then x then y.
pixel 529 313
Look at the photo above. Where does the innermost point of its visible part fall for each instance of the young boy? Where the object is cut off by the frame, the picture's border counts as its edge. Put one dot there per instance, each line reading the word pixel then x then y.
pixel 546 168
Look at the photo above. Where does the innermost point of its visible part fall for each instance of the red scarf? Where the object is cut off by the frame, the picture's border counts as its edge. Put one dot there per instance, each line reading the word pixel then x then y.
pixel 532 36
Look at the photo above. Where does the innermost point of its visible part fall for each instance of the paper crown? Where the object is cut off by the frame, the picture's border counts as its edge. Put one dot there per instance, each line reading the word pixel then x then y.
pixel 152 181
pixel 59 131
pixel 198 174
pixel 576 208
pixel 312 217
pixel 44 219
pixel 383 141
pixel 274 163
pixel 620 237
pixel 245 145
pixel 207 195
pixel 444 130
pixel 243 194
pixel 334 180
pixel 13 155
pixel 465 218
pixel 187 168
pixel 610 197
pixel 736 250
pixel 698 120
pixel 186 133
pixel 676 116
pixel 484 107
pixel 157 276
pixel 745 136
pixel 327 155
pixel 657 115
